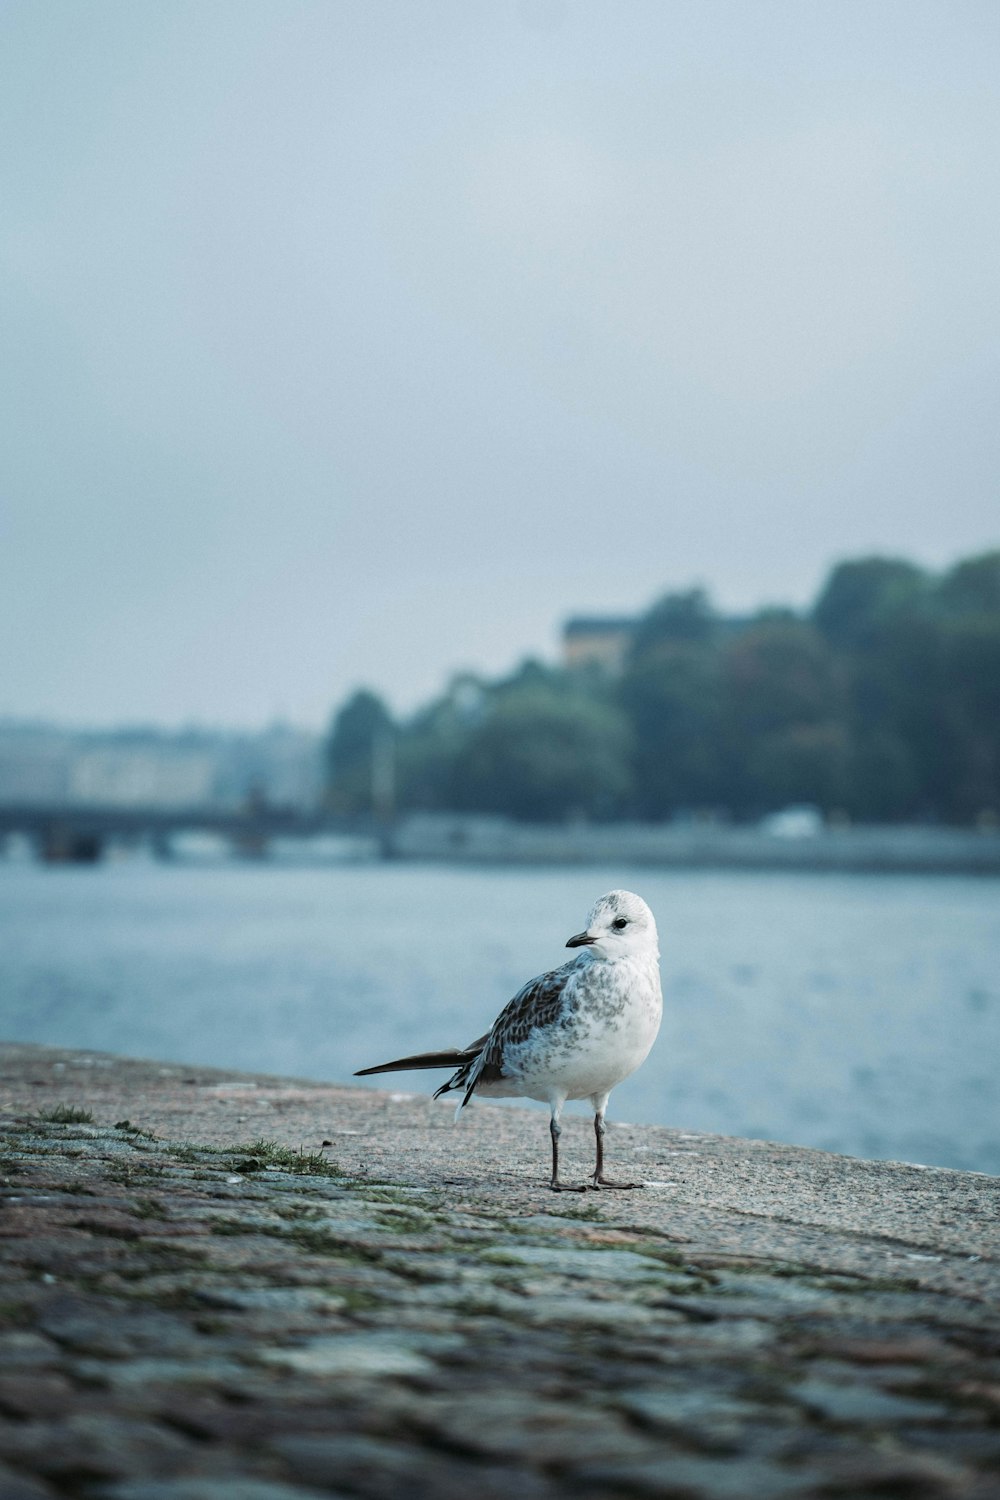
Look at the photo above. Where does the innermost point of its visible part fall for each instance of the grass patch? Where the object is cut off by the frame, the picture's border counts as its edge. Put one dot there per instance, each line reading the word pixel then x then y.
pixel 149 1208
pixel 130 1173
pixel 135 1131
pixel 260 1154
pixel 66 1114
pixel 298 1212
pixel 189 1151
pixel 185 1153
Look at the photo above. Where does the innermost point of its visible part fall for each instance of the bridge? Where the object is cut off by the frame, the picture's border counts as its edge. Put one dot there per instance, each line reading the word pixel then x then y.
pixel 78 833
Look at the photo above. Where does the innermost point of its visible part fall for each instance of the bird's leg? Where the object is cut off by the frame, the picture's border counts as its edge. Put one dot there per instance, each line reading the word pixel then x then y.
pixel 555 1130
pixel 599 1180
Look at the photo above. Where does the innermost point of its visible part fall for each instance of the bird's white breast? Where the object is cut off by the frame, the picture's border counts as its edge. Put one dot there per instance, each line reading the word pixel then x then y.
pixel 607 1024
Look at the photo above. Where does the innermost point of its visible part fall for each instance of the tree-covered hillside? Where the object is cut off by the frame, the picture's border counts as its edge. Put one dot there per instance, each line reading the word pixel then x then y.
pixel 882 702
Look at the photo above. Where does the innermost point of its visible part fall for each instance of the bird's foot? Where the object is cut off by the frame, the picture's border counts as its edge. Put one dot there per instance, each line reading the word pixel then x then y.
pixel 566 1187
pixel 598 1182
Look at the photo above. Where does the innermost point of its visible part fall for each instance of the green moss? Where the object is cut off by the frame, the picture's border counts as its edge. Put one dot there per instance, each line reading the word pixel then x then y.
pixel 314 1238
pixel 15 1315
pixel 172 1299
pixel 591 1214
pixel 356 1301
pixel 387 1192
pixel 478 1307
pixel 661 1253
pixel 888 1284
pixel 502 1258
pixel 236 1227
pixel 400 1222
pixel 648 1232
pixel 161 1258
pixel 319 1241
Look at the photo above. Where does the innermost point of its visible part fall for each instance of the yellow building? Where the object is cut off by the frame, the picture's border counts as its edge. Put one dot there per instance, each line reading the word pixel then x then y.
pixel 594 640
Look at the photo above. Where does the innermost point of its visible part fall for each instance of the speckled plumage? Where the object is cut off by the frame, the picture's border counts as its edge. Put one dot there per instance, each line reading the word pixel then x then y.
pixel 573 1033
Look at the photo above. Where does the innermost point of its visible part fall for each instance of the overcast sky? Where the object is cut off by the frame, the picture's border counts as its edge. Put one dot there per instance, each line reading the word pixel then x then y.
pixel 353 341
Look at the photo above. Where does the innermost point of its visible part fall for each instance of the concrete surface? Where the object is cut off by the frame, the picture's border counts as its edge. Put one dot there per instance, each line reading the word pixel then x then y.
pixel 235 1287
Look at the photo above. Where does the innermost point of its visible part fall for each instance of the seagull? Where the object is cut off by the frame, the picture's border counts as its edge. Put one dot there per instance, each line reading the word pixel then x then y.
pixel 573 1033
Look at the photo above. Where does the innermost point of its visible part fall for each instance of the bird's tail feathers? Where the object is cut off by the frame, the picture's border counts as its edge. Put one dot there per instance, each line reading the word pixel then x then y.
pixel 465 1079
pixel 458 1080
pixel 451 1057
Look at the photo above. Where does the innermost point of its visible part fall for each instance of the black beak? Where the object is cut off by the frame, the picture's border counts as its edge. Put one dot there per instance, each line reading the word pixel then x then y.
pixel 580 941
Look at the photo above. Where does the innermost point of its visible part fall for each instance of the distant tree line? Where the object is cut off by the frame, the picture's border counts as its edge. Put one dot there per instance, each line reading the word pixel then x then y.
pixel 881 702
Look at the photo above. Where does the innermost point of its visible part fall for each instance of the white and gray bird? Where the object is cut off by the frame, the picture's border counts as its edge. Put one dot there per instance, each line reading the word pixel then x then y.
pixel 574 1033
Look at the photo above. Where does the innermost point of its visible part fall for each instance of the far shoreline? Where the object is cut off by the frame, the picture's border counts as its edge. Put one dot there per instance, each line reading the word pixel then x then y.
pixel 784 843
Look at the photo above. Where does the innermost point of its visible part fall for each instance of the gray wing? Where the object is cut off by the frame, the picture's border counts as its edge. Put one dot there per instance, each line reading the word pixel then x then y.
pixel 538 1004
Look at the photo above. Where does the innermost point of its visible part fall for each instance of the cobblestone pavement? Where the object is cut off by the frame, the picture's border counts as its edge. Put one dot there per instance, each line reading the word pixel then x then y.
pixel 404 1312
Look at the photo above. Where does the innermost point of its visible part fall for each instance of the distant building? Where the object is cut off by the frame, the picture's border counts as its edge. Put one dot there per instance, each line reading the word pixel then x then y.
pixel 34 764
pixel 142 776
pixel 282 764
pixel 158 768
pixel 597 640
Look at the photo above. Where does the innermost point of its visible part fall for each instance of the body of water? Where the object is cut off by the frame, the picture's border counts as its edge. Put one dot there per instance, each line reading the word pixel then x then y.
pixel 855 1013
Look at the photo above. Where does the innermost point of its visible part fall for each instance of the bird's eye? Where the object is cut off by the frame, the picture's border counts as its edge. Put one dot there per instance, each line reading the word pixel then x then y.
pixel 619 923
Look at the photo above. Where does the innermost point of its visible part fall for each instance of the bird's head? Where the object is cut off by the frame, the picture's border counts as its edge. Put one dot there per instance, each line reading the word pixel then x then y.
pixel 620 925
